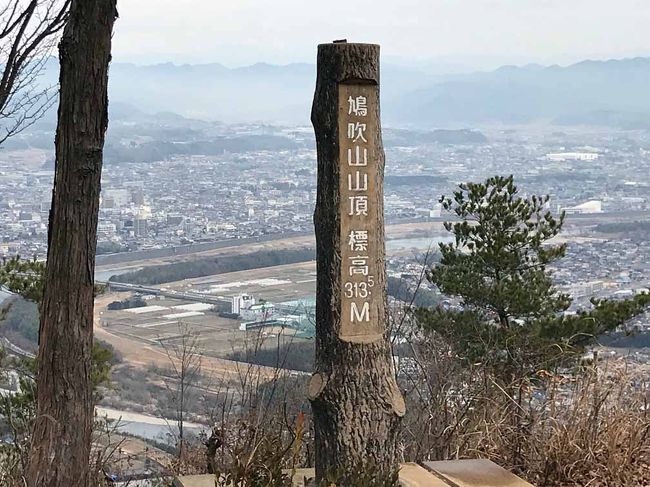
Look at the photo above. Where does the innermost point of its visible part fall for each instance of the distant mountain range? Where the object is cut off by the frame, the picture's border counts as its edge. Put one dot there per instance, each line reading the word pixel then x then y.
pixel 591 92
pixel 612 93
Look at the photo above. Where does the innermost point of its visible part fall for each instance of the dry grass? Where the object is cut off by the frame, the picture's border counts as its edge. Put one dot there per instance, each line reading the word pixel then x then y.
pixel 594 431
pixel 587 428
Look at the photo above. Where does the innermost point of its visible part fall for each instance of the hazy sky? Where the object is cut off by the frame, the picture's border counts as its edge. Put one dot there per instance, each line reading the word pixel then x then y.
pixel 480 33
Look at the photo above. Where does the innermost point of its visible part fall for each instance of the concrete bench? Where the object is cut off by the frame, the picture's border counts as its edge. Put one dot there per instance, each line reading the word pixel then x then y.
pixel 474 473
pixel 451 473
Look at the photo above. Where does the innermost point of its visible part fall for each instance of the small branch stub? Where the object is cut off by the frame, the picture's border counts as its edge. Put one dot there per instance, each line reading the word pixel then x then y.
pixel 316 385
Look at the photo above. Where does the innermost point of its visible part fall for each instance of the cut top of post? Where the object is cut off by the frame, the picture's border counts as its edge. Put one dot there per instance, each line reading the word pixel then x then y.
pixel 349 62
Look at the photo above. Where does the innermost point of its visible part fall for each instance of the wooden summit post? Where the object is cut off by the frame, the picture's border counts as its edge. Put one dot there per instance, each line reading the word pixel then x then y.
pixel 355 400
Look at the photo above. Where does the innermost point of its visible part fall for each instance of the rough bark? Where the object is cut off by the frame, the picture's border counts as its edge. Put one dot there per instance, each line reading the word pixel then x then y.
pixel 355 399
pixel 61 441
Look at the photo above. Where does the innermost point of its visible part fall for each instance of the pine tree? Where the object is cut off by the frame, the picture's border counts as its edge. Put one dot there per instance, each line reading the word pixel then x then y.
pixel 26 278
pixel 509 314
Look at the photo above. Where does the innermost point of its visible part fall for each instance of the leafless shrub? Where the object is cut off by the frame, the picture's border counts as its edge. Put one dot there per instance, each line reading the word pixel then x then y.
pixel 589 426
pixel 258 421
pixel 185 356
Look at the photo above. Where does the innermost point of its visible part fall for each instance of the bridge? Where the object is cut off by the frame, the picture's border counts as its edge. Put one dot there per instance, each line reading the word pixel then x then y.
pixel 16 349
pixel 282 309
pixel 168 293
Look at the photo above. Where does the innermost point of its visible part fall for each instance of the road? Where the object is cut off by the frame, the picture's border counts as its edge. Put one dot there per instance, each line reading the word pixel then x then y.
pixel 159 291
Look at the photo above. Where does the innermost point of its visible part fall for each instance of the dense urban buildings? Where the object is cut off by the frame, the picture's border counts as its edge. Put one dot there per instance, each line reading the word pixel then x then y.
pixel 259 182
pixel 200 198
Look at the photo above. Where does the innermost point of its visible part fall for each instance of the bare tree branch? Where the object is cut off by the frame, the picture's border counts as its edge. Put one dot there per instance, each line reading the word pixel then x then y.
pixel 28 33
pixel 185 356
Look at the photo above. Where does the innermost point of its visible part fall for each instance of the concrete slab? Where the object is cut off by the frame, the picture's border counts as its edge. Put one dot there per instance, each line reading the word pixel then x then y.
pixel 194 481
pixel 413 475
pixel 208 480
pixel 453 473
pixel 475 473
pixel 302 477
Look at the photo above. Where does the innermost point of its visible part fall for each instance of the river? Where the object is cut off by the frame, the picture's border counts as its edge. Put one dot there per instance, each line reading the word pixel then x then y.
pixel 147 427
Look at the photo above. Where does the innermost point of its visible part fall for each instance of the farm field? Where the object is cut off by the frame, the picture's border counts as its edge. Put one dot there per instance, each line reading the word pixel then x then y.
pixel 137 333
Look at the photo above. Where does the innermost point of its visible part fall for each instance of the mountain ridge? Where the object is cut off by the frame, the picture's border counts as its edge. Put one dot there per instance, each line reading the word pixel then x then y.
pixel 577 93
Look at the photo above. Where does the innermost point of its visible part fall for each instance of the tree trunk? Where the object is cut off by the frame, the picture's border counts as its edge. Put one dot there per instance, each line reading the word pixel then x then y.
pixel 61 441
pixel 356 403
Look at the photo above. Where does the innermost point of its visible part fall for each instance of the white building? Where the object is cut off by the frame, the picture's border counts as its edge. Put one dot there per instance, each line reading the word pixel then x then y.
pixel 241 302
pixel 593 206
pixel 106 229
pixel 139 227
pixel 572 156
pixel 119 197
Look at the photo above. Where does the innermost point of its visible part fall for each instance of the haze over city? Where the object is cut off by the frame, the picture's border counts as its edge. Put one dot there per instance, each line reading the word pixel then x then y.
pixel 422 256
pixel 442 35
